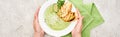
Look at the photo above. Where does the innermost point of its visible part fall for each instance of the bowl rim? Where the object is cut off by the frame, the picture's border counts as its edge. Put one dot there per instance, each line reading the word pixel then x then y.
pixel 46 28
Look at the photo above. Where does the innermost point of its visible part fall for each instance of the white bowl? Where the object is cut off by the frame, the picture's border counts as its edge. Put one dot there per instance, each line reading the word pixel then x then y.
pixel 46 28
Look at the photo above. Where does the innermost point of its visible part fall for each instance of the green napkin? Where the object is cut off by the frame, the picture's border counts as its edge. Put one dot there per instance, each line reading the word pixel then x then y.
pixel 92 17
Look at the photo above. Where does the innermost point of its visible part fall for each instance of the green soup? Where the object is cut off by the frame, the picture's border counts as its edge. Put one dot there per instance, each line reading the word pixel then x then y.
pixel 52 19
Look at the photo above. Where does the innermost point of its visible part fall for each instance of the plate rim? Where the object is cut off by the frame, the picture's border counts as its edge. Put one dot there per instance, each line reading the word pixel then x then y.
pixel 46 28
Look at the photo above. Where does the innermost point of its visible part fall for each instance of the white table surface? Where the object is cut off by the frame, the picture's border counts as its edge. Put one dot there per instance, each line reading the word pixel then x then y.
pixel 16 18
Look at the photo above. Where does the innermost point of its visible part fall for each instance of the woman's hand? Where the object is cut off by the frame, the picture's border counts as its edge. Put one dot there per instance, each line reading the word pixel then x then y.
pixel 38 32
pixel 78 28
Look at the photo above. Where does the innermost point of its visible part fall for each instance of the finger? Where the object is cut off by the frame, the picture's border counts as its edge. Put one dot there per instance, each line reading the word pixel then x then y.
pixel 81 28
pixel 36 22
pixel 77 17
pixel 36 13
pixel 79 24
pixel 76 14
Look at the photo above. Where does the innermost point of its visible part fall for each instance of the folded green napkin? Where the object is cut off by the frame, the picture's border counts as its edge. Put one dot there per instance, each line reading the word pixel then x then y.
pixel 92 17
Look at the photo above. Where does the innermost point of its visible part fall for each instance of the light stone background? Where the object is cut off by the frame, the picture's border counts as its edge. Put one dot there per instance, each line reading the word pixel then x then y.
pixel 16 17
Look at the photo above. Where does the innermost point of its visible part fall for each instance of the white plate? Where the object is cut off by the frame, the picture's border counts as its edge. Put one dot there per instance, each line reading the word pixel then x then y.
pixel 46 28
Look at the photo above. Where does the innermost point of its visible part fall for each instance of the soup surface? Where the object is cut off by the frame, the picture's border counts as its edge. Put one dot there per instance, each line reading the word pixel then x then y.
pixel 52 19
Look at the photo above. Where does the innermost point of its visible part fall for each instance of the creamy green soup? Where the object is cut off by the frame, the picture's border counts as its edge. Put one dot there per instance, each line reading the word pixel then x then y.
pixel 52 19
